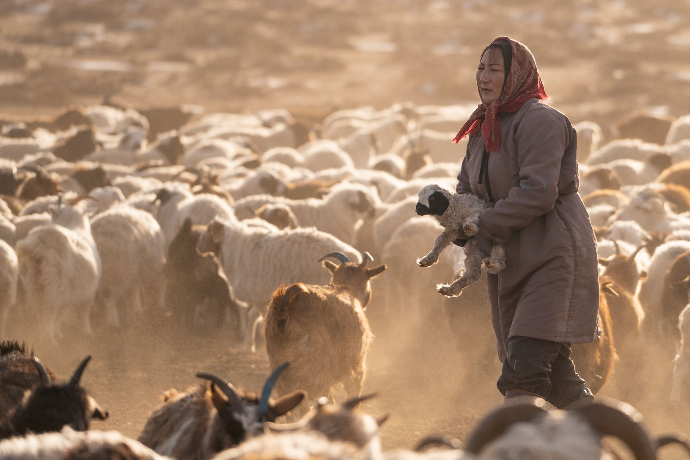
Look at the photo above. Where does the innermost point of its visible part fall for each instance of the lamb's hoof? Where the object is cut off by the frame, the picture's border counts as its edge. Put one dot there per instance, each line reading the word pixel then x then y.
pixel 470 229
pixel 448 290
pixel 491 267
pixel 425 262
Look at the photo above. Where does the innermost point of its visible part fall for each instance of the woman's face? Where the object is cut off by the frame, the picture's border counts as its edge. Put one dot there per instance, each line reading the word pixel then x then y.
pixel 490 75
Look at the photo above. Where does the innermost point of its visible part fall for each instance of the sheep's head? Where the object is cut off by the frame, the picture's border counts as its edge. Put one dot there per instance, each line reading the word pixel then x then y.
pixel 271 184
pixel 243 414
pixel 338 422
pixel 50 405
pixel 432 199
pixel 354 277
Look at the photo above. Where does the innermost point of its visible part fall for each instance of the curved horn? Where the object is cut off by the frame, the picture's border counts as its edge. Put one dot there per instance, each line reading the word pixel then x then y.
pixel 268 388
pixel 366 257
pixel 665 440
pixel 272 427
pixel 632 256
pixel 613 418
pixel 59 201
pixel 498 421
pixel 76 377
pixel 354 402
pixel 438 441
pixel 615 245
pixel 45 379
pixel 338 255
pixel 227 389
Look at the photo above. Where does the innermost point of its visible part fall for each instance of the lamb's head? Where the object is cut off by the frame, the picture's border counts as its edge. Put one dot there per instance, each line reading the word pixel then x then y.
pixel 51 405
pixel 243 414
pixel 339 422
pixel 352 276
pixel 433 200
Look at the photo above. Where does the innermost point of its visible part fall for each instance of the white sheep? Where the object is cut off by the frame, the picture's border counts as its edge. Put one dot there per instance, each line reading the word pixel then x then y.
pixel 455 212
pixel 635 172
pixel 60 268
pixel 132 249
pixel 212 148
pixel 438 170
pixel 589 136
pixel 390 163
pixel 322 154
pixel 9 277
pixel 8 231
pixel 436 144
pixel 623 149
pixel 679 131
pixel 255 183
pixel 286 155
pixel 411 187
pixel 256 260
pixel 132 184
pixel 113 120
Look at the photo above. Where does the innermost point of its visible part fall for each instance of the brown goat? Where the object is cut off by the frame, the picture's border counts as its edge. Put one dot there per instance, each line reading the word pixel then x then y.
pixel 644 126
pixel 677 174
pixel 78 146
pixel 677 196
pixel 310 189
pixel 204 420
pixel 331 321
pixel 41 183
pixel 594 361
pixel 415 159
pixel 91 178
pixel 614 198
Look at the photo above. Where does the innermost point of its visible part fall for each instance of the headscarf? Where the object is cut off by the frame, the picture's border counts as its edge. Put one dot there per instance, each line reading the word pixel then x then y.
pixel 521 84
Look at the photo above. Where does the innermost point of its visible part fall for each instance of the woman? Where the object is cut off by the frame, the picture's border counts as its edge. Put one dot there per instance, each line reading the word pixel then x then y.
pixel 521 159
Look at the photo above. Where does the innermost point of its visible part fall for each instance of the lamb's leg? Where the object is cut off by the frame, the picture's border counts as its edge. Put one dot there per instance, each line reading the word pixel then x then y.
pixel 444 239
pixel 497 260
pixel 472 272
pixel 469 226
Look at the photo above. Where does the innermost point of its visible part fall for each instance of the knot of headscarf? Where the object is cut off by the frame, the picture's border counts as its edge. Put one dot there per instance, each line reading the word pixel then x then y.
pixel 521 84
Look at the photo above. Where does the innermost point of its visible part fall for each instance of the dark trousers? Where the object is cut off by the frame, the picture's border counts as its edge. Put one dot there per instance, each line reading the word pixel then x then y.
pixel 544 368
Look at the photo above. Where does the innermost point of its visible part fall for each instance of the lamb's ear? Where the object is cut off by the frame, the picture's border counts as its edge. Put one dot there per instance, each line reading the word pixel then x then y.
pixel 216 230
pixel 288 402
pixel 330 265
pixel 372 272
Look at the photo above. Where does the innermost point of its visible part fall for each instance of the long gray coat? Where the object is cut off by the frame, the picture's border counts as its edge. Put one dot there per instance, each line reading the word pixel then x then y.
pixel 549 289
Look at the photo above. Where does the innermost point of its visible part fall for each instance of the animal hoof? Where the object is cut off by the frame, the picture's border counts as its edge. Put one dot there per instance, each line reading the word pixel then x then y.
pixel 470 229
pixel 425 262
pixel 447 290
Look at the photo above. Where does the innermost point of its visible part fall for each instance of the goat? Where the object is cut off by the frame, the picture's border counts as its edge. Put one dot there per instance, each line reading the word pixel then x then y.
pixel 323 330
pixel 202 421
pixel 50 406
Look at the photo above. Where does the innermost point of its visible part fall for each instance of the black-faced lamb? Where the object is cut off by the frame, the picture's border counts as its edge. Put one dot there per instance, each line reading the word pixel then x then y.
pixel 455 212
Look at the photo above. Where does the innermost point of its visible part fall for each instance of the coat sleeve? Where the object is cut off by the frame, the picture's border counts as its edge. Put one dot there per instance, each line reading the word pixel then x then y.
pixel 541 140
pixel 463 186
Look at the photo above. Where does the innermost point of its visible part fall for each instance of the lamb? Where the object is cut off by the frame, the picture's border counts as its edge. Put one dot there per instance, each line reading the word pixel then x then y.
pixel 204 420
pixel 76 445
pixel 331 321
pixel 131 246
pixel 679 130
pixel 454 211
pixel 9 278
pixel 256 260
pixel 59 267
pixel 50 406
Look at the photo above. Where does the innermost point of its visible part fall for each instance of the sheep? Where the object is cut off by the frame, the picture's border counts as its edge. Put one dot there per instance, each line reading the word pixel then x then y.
pixel 635 172
pixel 51 405
pixel 589 137
pixel 454 211
pixel 390 218
pixel 598 178
pixel 8 231
pixel 9 278
pixel 278 214
pixel 41 184
pixel 205 420
pixel 320 155
pixel 599 215
pixel 196 289
pixel 76 147
pixel 337 213
pixel 623 149
pixel 212 148
pixel 292 134
pixel 284 155
pixel 24 224
pixel 18 373
pixel 257 260
pixel 165 119
pixel 330 320
pixel 131 247
pixel 651 211
pixel 411 188
pixel 76 445
pixel 327 426
pixel 644 126
pixel 60 268
pixel 132 184
pixel 677 174
pixel 415 159
pixel 679 130
pixel 438 170
pixel 390 163
pixel 435 144
pixel 114 120
pixel 256 183
pixel 614 198
pixel 679 152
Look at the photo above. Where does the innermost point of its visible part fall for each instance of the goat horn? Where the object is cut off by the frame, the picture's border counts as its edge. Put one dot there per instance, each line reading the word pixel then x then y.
pixel 613 418
pixel 59 202
pixel 45 379
pixel 438 441
pixel 268 388
pixel 271 427
pixel 354 402
pixel 365 258
pixel 632 256
pixel 665 440
pixel 227 389
pixel 498 421
pixel 615 245
pixel 338 255
pixel 76 377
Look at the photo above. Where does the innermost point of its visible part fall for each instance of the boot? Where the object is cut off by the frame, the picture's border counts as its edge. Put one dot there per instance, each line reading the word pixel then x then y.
pixel 523 396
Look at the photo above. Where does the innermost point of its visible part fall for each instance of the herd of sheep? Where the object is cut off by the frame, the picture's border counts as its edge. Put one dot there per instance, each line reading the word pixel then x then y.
pixel 110 220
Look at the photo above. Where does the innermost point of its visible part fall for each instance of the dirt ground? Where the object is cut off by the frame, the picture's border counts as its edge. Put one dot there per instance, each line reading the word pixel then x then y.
pixel 599 61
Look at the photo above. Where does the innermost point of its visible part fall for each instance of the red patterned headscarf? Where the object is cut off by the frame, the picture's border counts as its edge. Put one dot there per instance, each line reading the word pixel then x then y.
pixel 521 84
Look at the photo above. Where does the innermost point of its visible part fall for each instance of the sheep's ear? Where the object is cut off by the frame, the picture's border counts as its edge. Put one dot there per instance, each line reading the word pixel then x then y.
pixel 372 272
pixel 382 419
pixel 96 411
pixel 218 398
pixel 288 402
pixel 330 266
pixel 216 230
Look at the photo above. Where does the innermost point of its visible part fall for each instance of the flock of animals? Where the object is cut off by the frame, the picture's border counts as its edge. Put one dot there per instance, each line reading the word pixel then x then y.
pixel 276 231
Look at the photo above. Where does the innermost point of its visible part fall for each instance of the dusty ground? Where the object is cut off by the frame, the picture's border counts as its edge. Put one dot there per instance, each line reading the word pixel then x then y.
pixel 599 61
